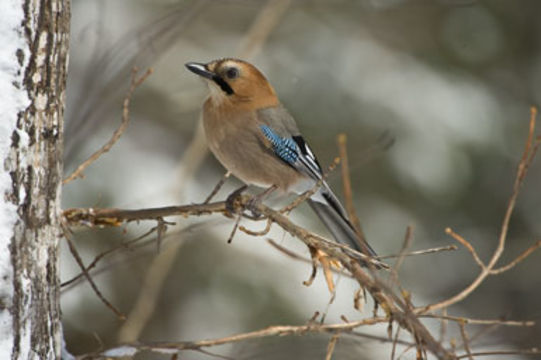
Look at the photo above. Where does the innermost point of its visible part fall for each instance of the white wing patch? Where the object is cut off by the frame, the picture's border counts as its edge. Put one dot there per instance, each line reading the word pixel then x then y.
pixel 308 159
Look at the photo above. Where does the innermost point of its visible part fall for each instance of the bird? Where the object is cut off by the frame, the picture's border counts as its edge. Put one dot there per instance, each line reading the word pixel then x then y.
pixel 257 140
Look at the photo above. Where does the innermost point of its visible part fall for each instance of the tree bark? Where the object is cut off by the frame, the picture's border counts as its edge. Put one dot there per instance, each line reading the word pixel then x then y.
pixel 34 36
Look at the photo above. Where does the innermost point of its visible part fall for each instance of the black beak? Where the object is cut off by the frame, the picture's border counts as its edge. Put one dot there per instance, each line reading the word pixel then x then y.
pixel 203 71
pixel 200 69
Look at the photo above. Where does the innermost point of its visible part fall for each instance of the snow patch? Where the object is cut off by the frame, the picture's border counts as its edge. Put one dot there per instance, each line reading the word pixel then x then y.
pixel 36 78
pixel 14 99
pixel 121 351
pixel 40 59
pixel 41 102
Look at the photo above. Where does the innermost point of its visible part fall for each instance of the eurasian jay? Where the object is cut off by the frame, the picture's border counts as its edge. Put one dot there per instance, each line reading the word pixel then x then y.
pixel 257 140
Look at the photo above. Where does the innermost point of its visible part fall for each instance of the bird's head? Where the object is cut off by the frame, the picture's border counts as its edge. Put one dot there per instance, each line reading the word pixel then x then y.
pixel 236 82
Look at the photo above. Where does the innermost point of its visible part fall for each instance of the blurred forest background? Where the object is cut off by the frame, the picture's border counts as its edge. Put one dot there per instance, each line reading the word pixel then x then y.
pixel 452 81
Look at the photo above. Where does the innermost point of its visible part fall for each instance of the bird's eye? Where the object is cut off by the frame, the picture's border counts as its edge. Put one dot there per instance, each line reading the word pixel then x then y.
pixel 232 73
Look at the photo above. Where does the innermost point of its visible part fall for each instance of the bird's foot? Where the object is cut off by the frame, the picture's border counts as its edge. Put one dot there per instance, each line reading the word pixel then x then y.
pixel 255 201
pixel 231 201
pixel 252 205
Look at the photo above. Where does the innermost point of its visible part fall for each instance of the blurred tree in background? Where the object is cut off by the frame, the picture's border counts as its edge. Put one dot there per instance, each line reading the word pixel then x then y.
pixel 452 81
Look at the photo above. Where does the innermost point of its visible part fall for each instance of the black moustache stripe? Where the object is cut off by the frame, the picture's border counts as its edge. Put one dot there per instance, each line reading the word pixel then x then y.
pixel 223 85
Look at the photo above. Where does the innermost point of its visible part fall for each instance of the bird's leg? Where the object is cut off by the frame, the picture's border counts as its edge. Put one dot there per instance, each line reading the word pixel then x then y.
pixel 230 201
pixel 256 200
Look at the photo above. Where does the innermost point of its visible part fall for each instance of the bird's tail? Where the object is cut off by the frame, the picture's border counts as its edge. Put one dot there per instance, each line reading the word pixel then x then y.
pixel 339 226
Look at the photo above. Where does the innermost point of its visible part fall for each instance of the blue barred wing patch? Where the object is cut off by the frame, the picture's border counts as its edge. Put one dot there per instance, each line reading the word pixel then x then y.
pixel 285 148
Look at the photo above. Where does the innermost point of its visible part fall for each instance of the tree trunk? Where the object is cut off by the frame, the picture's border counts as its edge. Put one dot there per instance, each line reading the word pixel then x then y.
pixel 33 61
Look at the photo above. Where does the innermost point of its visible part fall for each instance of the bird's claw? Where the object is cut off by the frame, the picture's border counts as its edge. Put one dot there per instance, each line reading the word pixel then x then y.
pixel 253 205
pixel 255 201
pixel 231 203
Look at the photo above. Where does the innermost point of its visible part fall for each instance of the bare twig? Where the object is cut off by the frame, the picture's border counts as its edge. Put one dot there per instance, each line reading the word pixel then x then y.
pixel 469 321
pixel 465 340
pixel 382 339
pixel 217 187
pixel 143 307
pixel 313 318
pixel 483 331
pixel 135 82
pixel 467 245
pixel 263 232
pixel 395 342
pixel 401 256
pixel 532 351
pixel 299 257
pixel 122 257
pixel 346 183
pixel 527 157
pixel 330 302
pixel 408 348
pixel 234 230
pixel 93 285
pixel 211 354
pixel 94 262
pixel 405 246
pixel 331 346
pixel 394 307
pixel 314 268
pixel 288 252
pixel 421 252
pixel 161 347
pixel 304 196
pixel 517 260
pixel 161 229
pixel 443 326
